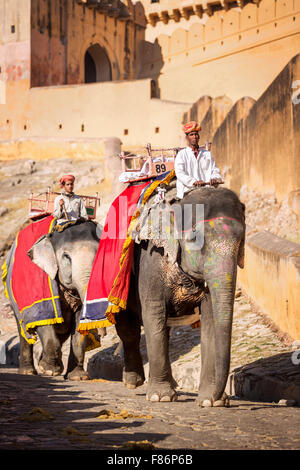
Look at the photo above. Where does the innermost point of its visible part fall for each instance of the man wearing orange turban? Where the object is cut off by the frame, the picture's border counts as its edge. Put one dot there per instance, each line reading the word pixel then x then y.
pixel 194 166
pixel 68 206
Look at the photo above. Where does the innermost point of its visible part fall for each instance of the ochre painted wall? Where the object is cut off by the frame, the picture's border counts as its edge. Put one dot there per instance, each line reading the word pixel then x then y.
pixel 62 31
pixel 271 278
pixel 258 142
pixel 236 52
pixel 124 110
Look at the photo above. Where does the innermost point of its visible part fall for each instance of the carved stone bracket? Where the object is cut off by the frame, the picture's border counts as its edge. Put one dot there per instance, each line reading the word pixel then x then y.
pixel 207 8
pixel 164 17
pixel 225 4
pixel 153 18
pixel 199 10
pixel 187 12
pixel 176 15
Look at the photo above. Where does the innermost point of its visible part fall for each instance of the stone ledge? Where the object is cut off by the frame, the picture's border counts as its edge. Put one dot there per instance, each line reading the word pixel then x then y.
pixel 270 243
pixel 276 263
pixel 269 380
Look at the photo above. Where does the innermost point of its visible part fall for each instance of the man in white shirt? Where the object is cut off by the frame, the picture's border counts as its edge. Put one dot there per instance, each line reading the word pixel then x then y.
pixel 68 206
pixel 194 166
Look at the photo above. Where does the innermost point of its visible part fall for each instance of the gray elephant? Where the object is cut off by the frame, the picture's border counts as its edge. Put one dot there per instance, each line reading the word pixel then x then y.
pixel 172 276
pixel 67 257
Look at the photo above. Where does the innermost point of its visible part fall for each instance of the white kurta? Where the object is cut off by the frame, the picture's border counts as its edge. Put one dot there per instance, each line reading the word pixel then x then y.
pixel 74 208
pixel 189 169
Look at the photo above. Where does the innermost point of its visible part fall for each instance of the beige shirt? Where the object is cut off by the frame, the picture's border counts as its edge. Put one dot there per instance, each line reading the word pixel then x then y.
pixel 74 208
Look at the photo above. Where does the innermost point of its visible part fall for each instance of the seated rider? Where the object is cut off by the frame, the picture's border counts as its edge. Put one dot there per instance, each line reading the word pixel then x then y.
pixel 68 206
pixel 194 166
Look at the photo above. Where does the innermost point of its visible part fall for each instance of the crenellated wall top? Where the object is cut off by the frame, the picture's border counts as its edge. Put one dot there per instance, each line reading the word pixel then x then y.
pixel 166 10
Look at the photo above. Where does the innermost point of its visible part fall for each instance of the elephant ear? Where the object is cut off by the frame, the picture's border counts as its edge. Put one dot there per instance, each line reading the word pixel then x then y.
pixel 43 255
pixel 241 254
pixel 157 224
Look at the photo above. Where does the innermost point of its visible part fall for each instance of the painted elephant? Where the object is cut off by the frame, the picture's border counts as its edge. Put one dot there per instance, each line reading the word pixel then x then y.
pixel 194 266
pixel 67 257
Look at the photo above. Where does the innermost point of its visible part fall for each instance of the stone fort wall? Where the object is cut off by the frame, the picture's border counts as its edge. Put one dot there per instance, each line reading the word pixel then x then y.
pixel 216 49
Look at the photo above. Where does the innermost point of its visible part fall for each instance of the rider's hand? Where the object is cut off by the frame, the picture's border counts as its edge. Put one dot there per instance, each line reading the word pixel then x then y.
pixel 215 181
pixel 61 202
pixel 198 183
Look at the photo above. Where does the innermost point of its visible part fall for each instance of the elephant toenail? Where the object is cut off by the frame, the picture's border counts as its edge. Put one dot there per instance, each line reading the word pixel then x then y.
pixel 219 403
pixel 206 404
pixel 154 397
pixel 130 386
pixel 165 398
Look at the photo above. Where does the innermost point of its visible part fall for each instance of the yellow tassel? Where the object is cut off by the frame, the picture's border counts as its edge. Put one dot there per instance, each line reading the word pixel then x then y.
pixel 51 321
pixel 4 277
pixel 84 327
pixel 117 305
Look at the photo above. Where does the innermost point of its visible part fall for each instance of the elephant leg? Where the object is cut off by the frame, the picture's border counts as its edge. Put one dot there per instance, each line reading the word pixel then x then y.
pixel 208 357
pixel 51 359
pixel 129 330
pixel 26 365
pixel 75 370
pixel 160 384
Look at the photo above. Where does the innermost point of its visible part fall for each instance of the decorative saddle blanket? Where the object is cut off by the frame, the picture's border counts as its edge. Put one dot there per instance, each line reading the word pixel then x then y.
pixel 108 287
pixel 32 294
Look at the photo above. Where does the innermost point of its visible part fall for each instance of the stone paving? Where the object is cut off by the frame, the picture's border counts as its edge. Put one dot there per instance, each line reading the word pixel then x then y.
pixel 51 413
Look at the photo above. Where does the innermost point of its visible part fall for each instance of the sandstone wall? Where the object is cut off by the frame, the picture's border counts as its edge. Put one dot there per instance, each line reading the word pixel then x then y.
pixel 209 51
pixel 121 109
pixel 14 60
pixel 271 279
pixel 257 144
pixel 62 31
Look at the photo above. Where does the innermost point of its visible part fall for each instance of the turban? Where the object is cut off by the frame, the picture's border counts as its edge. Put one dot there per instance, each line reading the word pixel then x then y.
pixel 191 127
pixel 65 178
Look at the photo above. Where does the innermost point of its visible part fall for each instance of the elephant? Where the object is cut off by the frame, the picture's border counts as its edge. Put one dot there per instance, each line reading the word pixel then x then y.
pixel 195 266
pixel 66 256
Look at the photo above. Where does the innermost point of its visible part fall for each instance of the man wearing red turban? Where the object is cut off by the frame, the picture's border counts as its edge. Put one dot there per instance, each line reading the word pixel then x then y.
pixel 194 166
pixel 68 206
pixel 64 179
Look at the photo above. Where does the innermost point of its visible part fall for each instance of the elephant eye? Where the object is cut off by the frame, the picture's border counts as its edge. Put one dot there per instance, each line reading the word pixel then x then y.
pixel 66 257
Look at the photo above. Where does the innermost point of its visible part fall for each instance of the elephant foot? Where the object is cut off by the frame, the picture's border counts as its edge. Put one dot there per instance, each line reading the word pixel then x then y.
pixel 27 370
pixel 210 402
pixel 133 380
pixel 78 374
pixel 51 370
pixel 161 392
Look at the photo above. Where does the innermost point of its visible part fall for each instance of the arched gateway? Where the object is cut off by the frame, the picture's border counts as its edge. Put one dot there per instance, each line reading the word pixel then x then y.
pixel 97 67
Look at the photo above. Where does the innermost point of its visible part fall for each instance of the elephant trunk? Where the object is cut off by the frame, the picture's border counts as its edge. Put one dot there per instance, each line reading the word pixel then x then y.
pixel 221 283
pixel 81 270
